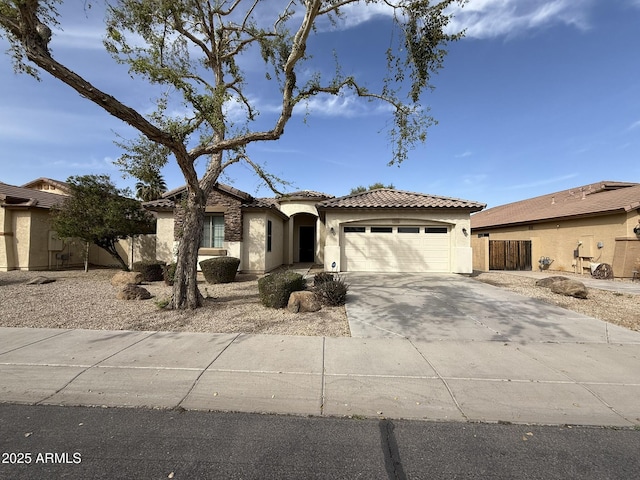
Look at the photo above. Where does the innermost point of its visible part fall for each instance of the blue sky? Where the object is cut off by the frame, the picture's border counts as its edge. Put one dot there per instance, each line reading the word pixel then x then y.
pixel 540 96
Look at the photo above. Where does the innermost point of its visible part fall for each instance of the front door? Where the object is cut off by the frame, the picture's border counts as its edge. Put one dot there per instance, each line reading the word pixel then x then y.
pixel 307 244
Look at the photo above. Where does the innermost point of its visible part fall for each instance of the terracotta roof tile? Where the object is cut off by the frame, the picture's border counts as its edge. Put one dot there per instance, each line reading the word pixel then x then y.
pixel 306 194
pixel 167 202
pixel 389 198
pixel 597 198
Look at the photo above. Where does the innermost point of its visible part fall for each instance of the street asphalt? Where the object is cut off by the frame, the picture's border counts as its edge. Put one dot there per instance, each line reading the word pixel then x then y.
pixel 432 347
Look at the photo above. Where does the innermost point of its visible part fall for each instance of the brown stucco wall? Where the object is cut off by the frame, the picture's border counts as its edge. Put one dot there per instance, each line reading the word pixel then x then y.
pixel 560 238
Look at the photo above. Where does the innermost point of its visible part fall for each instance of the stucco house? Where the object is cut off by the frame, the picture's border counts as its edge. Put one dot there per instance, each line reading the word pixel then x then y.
pixel 382 230
pixel 28 243
pixel 572 230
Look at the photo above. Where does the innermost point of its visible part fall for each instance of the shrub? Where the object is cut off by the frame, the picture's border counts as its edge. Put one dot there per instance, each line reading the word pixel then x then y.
pixel 322 277
pixel 169 273
pixel 276 288
pixel 151 271
pixel 332 292
pixel 220 269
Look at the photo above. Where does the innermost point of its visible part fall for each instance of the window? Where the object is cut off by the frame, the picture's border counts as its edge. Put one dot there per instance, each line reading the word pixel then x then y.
pixel 381 229
pixel 436 230
pixel 408 229
pixel 269 230
pixel 353 229
pixel 213 236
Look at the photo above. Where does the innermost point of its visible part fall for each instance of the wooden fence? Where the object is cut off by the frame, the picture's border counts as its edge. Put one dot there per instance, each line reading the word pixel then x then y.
pixel 510 255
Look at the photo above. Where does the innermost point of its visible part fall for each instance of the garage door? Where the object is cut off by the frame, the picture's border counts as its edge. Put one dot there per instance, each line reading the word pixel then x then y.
pixel 395 249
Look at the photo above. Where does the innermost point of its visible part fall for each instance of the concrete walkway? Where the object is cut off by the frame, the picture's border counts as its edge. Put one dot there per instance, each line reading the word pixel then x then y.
pixel 517 363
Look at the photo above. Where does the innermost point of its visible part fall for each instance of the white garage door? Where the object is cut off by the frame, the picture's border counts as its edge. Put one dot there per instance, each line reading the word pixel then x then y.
pixel 395 249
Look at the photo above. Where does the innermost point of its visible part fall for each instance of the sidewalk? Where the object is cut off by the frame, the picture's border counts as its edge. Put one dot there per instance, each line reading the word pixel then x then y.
pixel 490 381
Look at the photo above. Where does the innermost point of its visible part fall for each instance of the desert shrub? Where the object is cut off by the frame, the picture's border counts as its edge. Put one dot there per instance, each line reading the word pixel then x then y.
pixel 169 273
pixel 332 293
pixel 276 288
pixel 220 269
pixel 322 277
pixel 151 271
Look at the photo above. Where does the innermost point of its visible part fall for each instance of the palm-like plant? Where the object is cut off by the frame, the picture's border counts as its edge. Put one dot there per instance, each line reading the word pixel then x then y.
pixel 151 188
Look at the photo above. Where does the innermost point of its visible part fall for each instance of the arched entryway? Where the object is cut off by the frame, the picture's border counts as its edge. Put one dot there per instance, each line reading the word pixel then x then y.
pixel 304 245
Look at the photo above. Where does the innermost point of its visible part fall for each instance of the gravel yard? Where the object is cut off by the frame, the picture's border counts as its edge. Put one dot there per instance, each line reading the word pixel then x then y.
pixel 619 308
pixel 87 300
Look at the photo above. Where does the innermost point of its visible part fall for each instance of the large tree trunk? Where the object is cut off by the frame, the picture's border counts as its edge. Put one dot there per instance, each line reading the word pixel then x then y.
pixel 185 294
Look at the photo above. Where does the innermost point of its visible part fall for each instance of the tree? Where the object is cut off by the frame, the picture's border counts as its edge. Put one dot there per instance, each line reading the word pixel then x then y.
pixel 193 49
pixel 98 212
pixel 375 186
pixel 151 187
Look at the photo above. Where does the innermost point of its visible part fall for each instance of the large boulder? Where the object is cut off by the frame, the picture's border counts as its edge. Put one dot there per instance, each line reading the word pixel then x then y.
pixel 548 281
pixel 133 292
pixel 570 288
pixel 303 301
pixel 126 278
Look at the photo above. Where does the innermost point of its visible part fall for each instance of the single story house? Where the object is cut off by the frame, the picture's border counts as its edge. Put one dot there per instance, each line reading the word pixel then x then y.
pixel 27 241
pixel 381 230
pixel 572 230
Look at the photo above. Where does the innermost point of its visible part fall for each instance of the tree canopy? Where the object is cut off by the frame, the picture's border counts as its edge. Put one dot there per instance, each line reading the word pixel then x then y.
pixel 374 186
pixel 197 52
pixel 98 212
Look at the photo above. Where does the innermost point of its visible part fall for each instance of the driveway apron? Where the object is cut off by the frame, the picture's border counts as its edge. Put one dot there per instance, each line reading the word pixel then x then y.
pixel 439 307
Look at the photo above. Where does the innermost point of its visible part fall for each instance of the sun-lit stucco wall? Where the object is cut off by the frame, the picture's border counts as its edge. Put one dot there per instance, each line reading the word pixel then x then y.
pixel 573 244
pixel 461 255
pixel 255 257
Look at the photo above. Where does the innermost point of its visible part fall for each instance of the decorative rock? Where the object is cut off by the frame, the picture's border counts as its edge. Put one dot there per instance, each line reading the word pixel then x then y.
pixel 126 278
pixel 570 288
pixel 133 292
pixel 547 282
pixel 40 280
pixel 303 302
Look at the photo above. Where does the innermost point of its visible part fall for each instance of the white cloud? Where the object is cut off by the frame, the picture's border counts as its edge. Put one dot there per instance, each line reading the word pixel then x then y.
pixel 540 183
pixel 636 124
pixel 466 153
pixel 347 105
pixel 494 18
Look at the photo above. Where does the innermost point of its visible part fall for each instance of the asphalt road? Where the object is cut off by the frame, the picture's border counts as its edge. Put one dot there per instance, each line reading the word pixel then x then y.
pixel 95 443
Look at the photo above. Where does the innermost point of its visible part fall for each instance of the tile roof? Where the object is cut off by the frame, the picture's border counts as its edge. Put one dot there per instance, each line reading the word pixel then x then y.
pixel 389 198
pixel 311 194
pixel 167 202
pixel 64 186
pixel 595 199
pixel 12 196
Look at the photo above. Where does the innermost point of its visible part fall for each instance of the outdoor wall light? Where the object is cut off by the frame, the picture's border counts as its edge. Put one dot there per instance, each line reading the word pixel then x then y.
pixel 333 231
pixel 464 232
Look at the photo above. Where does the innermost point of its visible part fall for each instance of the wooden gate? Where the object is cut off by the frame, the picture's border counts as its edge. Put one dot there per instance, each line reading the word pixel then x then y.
pixel 510 255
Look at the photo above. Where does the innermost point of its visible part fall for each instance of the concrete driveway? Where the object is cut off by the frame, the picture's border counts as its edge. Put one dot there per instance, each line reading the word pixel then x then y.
pixel 438 307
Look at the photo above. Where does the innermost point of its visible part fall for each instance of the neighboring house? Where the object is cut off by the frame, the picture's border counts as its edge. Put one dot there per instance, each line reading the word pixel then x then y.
pixel 48 185
pixel 377 231
pixel 572 231
pixel 27 241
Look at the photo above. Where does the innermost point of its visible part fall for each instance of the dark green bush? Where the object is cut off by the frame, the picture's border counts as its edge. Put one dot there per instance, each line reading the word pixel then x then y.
pixel 322 277
pixel 220 269
pixel 169 273
pixel 332 292
pixel 276 288
pixel 151 271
